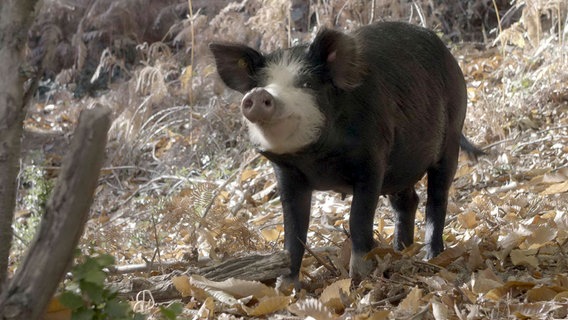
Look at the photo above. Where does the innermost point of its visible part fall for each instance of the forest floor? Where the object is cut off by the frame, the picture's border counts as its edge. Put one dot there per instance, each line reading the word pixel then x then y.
pixel 182 183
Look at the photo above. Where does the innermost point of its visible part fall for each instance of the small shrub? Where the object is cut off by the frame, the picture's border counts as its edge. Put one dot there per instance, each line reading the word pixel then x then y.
pixel 87 296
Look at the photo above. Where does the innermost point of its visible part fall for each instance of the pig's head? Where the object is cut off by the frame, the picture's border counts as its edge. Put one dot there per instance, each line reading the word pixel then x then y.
pixel 288 94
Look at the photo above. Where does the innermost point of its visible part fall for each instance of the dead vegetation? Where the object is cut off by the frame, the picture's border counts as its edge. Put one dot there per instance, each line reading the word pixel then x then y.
pixel 181 181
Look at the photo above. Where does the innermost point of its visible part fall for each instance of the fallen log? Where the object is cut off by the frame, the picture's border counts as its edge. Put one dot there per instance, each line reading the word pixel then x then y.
pixel 148 267
pixel 252 268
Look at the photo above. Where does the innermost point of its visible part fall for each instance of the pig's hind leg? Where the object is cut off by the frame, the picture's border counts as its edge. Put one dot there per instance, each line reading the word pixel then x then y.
pixel 440 179
pixel 365 198
pixel 404 204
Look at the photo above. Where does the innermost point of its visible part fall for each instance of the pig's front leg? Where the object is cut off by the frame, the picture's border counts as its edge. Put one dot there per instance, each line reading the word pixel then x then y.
pixel 365 198
pixel 296 197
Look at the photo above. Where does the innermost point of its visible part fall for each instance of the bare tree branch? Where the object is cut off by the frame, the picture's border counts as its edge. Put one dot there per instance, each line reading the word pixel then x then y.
pixel 62 225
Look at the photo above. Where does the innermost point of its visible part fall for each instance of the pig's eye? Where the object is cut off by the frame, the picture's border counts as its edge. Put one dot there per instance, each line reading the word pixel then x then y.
pixel 307 85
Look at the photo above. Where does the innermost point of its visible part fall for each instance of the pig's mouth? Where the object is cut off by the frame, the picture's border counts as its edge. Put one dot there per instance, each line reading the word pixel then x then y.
pixel 282 127
pixel 276 135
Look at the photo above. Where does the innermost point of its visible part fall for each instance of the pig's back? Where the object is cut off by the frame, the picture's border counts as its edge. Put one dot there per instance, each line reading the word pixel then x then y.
pixel 418 93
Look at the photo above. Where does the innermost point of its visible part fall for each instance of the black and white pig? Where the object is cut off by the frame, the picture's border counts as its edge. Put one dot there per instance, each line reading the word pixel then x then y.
pixel 367 113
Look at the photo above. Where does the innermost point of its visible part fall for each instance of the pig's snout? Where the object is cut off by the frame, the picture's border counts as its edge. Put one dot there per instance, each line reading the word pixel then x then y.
pixel 258 105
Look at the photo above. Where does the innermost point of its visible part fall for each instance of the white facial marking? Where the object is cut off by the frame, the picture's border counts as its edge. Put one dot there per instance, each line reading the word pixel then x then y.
pixel 298 120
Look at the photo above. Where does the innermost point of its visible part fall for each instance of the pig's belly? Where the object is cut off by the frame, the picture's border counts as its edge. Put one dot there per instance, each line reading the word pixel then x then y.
pixel 395 179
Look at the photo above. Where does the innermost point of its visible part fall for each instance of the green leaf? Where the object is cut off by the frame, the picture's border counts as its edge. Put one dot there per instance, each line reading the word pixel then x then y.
pixel 95 276
pixel 172 311
pixel 71 300
pixel 105 260
pixel 81 270
pixel 84 314
pixel 139 316
pixel 95 292
pixel 117 309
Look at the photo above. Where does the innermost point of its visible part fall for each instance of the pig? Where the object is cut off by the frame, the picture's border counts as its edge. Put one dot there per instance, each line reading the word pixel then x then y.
pixel 367 113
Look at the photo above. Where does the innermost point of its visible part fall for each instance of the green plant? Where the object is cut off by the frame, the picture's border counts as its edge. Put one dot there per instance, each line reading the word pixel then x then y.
pixel 40 187
pixel 87 296
pixel 36 190
pixel 172 311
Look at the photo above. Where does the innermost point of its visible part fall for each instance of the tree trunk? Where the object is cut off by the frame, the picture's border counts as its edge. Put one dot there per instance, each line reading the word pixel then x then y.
pixel 15 19
pixel 62 224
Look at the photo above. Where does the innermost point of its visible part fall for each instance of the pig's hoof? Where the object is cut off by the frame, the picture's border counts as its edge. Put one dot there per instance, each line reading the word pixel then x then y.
pixel 359 267
pixel 433 250
pixel 286 284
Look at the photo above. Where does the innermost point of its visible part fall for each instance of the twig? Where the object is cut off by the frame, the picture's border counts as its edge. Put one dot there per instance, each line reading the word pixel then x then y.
pixel 496 143
pixel 341 11
pixel 318 259
pixel 491 145
pixel 420 14
pixel 192 28
pixel 157 240
pixel 429 265
pixel 552 129
pixel 498 17
pixel 500 29
pixel 373 7
pixel 522 145
pixel 391 299
pixel 289 28
pixel 126 168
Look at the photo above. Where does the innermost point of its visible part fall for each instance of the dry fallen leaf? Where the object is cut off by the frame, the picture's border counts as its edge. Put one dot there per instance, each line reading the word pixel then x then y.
pixel 234 287
pixel 543 233
pixel 511 287
pixel 557 176
pixel 485 280
pixel 468 219
pixel 248 174
pixel 207 310
pixel 510 240
pixel 311 307
pixel 271 234
pixel 267 306
pixel 524 257
pixel 448 256
pixel 331 295
pixel 378 315
pixel 56 311
pixel 532 310
pixel 440 310
pixel 543 294
pixel 411 304
pixel 182 285
pixel 556 188
pixel 475 260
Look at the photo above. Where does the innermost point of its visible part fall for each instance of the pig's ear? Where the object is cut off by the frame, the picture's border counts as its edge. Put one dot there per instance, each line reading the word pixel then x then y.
pixel 341 57
pixel 237 65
